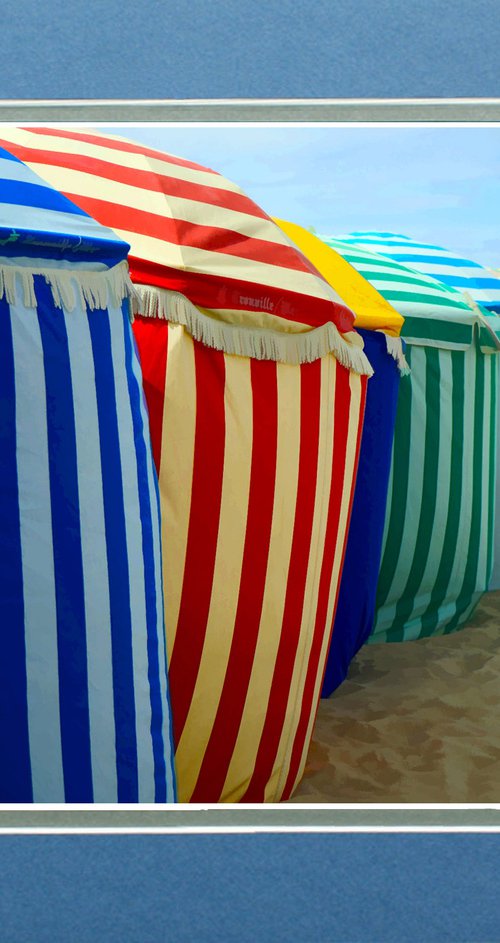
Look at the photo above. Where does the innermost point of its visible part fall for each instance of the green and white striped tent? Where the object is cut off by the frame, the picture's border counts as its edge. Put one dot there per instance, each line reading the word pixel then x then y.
pixel 438 540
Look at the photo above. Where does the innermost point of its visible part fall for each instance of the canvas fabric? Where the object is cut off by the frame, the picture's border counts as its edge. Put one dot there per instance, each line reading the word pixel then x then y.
pixel 84 706
pixel 190 229
pixel 257 462
pixel 438 534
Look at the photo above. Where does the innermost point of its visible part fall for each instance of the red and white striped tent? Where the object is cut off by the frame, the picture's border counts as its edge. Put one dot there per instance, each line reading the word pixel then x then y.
pixel 255 383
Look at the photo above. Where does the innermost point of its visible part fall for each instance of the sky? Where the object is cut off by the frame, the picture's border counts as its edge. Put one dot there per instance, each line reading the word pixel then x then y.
pixel 438 184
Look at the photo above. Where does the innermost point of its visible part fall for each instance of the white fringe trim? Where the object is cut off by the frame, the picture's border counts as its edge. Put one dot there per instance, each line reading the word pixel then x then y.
pixel 95 289
pixel 395 349
pixel 259 343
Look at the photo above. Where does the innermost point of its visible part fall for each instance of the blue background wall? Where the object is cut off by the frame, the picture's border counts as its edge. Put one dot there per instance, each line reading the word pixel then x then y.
pixel 208 888
pixel 263 49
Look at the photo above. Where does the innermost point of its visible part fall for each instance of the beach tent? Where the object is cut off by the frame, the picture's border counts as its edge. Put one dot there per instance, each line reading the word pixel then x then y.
pixel 84 714
pixel 255 382
pixel 379 324
pixel 464 275
pixel 438 538
pixel 479 284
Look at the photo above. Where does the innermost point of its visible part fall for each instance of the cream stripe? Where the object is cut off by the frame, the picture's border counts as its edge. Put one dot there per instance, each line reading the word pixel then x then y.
pixel 260 319
pixel 164 167
pixel 388 506
pixel 183 256
pixel 277 781
pixel 418 418
pixel 176 469
pixel 486 510
pixel 348 485
pixel 228 266
pixel 435 540
pixel 226 579
pixel 448 608
pixel 166 206
pixel 287 469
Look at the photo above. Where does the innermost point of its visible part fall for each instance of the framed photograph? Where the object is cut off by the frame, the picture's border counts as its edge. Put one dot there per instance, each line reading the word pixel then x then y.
pixel 394 769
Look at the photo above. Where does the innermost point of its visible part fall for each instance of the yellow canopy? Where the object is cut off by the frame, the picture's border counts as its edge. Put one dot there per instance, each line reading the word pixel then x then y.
pixel 372 311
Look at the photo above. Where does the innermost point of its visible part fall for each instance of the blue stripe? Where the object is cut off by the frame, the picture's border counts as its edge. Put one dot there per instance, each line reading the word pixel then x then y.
pixel 375 234
pixel 355 611
pixel 469 282
pixel 6 155
pixel 149 568
pixel 430 259
pixel 37 195
pixel 117 560
pixel 173 774
pixel 68 566
pixel 163 646
pixel 13 169
pixel 39 233
pixel 388 241
pixel 15 767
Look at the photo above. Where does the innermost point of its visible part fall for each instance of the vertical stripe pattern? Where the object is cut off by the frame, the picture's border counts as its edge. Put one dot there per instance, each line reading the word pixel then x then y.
pixel 436 558
pixel 255 538
pixel 84 711
pixel 14 728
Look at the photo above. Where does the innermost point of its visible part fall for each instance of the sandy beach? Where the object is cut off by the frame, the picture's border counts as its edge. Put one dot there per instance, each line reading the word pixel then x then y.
pixel 414 722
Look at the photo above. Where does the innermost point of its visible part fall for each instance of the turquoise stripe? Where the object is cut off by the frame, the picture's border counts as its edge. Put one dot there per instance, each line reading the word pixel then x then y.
pixel 444 571
pixel 492 469
pixel 406 604
pixel 470 575
pixel 486 511
pixel 396 275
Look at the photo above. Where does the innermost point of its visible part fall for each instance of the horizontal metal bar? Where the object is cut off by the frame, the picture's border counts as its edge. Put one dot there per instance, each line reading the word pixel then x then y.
pixel 252 110
pixel 286 817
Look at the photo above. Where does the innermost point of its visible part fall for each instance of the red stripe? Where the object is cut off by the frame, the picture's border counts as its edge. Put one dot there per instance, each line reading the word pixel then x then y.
pixel 197 236
pixel 152 342
pixel 307 705
pixel 340 435
pixel 202 532
pixel 252 584
pixel 127 146
pixel 211 291
pixel 148 180
pixel 296 584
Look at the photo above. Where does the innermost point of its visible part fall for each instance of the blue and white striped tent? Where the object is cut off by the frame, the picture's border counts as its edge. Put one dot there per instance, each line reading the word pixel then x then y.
pixel 479 285
pixel 84 708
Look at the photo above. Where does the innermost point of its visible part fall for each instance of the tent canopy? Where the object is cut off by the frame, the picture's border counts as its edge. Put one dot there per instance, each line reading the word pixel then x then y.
pixel 37 221
pixel 194 235
pixel 435 315
pixel 371 310
pixel 436 559
pixel 41 231
pixel 447 267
